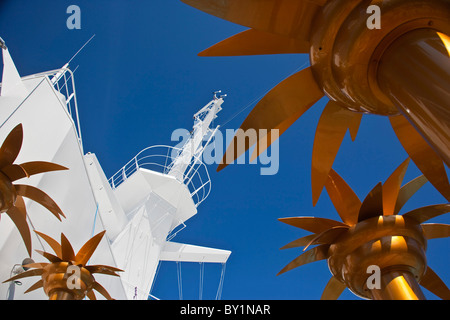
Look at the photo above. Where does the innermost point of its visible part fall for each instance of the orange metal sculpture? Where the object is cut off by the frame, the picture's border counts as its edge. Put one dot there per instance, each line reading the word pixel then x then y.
pixel 11 201
pixel 374 234
pixel 401 71
pixel 55 276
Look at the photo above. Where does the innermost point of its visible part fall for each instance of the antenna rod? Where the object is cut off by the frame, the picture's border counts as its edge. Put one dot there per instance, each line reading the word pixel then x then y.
pixel 80 49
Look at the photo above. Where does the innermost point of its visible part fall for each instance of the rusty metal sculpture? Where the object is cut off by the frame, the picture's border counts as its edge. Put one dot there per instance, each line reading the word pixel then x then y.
pixel 11 195
pixel 372 233
pixel 56 275
pixel 401 71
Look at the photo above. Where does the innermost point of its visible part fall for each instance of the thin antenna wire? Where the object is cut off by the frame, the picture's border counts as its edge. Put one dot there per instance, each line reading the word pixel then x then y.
pixel 81 49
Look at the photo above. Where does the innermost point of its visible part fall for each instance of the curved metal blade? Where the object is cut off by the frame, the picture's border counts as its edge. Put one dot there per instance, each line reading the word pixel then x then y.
pixel 407 191
pixel 436 230
pixel 35 286
pixel 278 110
pixel 91 295
pixel 255 42
pixel 426 213
pixel 333 289
pixel 286 17
pixel 27 169
pixel 313 255
pixel 372 205
pixel 312 224
pixel 422 154
pixel 36 265
pixel 299 242
pixel 345 201
pixel 40 197
pixel 88 249
pixel 102 290
pixel 15 172
pixel 434 284
pixel 35 167
pixel 26 274
pixel 103 269
pixel 333 125
pixel 391 188
pixel 11 146
pixel 52 242
pixel 328 236
pixel 446 40
pixel 50 257
pixel 67 253
pixel 18 215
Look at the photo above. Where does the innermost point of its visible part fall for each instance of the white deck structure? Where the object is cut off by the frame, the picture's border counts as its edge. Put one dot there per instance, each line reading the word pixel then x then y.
pixel 141 207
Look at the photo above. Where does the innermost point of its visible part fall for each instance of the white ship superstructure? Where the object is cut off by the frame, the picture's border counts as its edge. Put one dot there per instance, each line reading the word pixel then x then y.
pixel 141 207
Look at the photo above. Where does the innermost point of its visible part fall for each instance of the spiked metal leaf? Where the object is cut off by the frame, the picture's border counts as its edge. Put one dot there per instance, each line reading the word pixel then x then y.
pixel 66 256
pixel 14 205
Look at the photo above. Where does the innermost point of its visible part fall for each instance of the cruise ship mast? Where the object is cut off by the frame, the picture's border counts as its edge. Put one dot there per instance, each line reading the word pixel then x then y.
pixel 195 146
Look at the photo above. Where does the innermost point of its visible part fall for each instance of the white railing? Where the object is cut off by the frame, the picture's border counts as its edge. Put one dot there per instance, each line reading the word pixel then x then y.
pixel 160 158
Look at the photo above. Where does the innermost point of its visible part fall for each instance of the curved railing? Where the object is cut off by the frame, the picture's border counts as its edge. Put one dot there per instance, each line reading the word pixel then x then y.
pixel 160 159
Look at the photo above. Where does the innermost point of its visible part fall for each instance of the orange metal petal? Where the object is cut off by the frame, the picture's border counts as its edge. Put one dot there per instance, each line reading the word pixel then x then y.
pixel 434 284
pixel 391 188
pixel 103 269
pixel 37 285
pixel 102 290
pixel 333 289
pixel 426 213
pixel 18 215
pixel 50 257
pixel 299 242
pixel 11 146
pixel 312 224
pixel 331 130
pixel 26 274
pixel 86 251
pixel 288 17
pixel 408 190
pixel 67 253
pixel 422 154
pixel 436 230
pixel 372 205
pixel 313 255
pixel 327 237
pixel 52 242
pixel 15 172
pixel 255 42
pixel 40 197
pixel 35 167
pixel 91 295
pixel 36 265
pixel 279 109
pixel 344 199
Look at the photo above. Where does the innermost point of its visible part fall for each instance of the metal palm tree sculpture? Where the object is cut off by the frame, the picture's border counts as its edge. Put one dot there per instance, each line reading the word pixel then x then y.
pixel 56 275
pixel 372 233
pixel 11 195
pixel 401 70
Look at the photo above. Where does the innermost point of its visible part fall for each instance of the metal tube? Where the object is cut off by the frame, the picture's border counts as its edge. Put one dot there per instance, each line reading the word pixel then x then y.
pixel 61 295
pixel 414 73
pixel 398 285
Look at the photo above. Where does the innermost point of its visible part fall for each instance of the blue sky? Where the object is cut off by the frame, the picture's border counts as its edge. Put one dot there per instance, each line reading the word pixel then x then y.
pixel 140 79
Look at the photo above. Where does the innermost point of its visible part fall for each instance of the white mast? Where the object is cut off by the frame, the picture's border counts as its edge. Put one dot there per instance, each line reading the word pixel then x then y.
pixel 194 147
